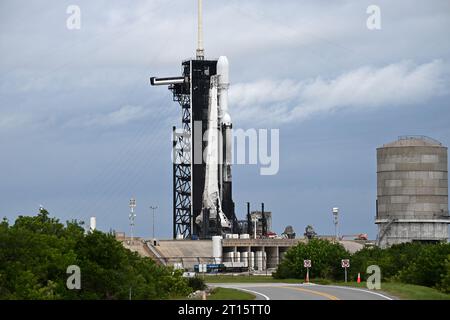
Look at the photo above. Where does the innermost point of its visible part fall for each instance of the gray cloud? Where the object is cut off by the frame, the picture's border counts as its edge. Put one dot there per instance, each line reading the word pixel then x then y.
pixel 119 117
pixel 81 130
pixel 399 84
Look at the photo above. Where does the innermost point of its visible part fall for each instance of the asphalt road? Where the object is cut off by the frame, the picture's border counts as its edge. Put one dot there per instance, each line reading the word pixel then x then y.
pixel 285 291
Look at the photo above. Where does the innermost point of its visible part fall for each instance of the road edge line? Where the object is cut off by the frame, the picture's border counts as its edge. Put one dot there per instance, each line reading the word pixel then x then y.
pixel 363 290
pixel 251 291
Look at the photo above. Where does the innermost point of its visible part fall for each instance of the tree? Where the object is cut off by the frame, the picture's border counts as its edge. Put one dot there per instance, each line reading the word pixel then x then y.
pixel 325 257
pixel 445 282
pixel 36 251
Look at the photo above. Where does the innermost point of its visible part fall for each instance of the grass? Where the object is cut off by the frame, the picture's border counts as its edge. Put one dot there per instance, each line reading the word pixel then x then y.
pixel 404 291
pixel 230 294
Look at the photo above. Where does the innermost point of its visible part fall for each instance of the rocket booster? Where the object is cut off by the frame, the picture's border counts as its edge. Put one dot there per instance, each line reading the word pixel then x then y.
pixel 224 116
pixel 218 152
pixel 211 198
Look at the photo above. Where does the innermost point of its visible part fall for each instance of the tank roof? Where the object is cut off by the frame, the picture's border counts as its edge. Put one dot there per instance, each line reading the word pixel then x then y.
pixel 413 141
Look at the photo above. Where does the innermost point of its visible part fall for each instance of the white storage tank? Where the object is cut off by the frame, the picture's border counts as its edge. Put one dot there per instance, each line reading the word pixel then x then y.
pixel 259 260
pixel 244 257
pixel 252 260
pixel 217 248
pixel 264 262
pixel 229 257
pixel 237 257
pixel 93 224
pixel 245 236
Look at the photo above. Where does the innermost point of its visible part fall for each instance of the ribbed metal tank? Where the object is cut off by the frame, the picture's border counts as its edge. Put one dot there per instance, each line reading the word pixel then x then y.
pixel 412 191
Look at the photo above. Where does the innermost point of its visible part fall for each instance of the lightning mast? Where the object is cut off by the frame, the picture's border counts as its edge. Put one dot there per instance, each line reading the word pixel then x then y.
pixel 200 49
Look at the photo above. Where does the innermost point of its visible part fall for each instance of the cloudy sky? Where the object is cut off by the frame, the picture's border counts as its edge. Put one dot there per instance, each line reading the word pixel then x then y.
pixel 81 130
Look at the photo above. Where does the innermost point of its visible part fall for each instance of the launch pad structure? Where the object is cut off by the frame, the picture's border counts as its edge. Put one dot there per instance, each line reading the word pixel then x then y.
pixel 202 188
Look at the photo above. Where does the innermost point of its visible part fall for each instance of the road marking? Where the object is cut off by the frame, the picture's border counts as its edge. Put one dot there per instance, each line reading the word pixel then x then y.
pixel 368 291
pixel 251 291
pixel 255 292
pixel 323 294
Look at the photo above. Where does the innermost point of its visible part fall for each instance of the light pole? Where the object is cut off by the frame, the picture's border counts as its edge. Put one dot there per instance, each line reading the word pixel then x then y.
pixel 132 215
pixel 153 209
pixel 335 216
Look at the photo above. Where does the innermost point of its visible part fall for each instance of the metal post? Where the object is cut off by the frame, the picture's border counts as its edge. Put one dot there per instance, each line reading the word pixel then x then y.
pixel 153 208
pixel 248 260
pixel 307 274
pixel 335 215
pixel 345 274
pixel 132 215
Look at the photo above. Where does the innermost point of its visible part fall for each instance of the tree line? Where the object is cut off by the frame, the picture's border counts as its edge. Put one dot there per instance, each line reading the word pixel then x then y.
pixel 36 251
pixel 413 263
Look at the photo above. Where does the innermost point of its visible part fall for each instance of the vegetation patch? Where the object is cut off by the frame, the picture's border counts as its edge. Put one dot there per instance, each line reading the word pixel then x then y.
pixel 35 253
pixel 404 291
pixel 426 265
pixel 229 294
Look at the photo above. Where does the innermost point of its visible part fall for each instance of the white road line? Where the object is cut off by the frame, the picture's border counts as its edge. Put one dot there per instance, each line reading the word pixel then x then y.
pixel 356 289
pixel 251 291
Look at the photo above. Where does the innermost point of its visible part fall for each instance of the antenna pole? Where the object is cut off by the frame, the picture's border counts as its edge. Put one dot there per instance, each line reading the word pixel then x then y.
pixel 200 50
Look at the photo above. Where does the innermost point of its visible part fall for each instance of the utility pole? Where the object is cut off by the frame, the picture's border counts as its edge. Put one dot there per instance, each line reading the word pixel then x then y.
pixel 335 220
pixel 131 216
pixel 153 208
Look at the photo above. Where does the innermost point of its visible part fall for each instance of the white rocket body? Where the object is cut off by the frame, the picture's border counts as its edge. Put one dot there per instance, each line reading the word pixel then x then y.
pixel 211 192
pixel 218 150
pixel 225 118
pixel 211 196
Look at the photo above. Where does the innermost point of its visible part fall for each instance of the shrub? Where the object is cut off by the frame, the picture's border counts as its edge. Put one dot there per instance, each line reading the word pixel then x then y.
pixel 444 286
pixel 326 260
pixel 36 251
pixel 196 283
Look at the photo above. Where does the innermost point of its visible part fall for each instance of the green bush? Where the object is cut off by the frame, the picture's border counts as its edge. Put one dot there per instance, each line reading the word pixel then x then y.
pixel 36 251
pixel 444 286
pixel 412 263
pixel 427 267
pixel 196 283
pixel 326 260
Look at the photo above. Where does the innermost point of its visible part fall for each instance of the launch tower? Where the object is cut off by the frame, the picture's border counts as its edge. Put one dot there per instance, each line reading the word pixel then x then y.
pixel 202 188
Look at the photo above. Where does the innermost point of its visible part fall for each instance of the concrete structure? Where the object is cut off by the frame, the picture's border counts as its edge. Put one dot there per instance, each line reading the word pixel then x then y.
pixel 412 191
pixel 261 255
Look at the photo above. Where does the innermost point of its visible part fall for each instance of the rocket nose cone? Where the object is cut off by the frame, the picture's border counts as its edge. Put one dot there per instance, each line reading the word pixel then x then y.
pixel 222 69
pixel 226 119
